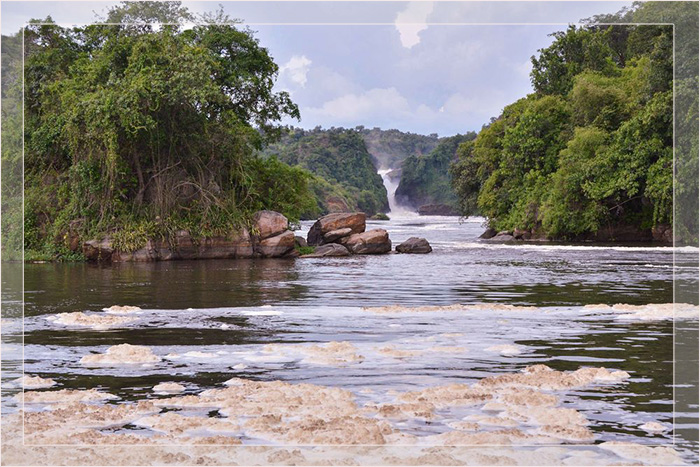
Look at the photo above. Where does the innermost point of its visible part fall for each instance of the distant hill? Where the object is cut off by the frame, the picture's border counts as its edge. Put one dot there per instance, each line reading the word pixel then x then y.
pixel 345 175
pixel 389 148
pixel 425 179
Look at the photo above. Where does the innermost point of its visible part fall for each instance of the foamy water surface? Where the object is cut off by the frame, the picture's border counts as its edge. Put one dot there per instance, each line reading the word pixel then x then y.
pixel 378 327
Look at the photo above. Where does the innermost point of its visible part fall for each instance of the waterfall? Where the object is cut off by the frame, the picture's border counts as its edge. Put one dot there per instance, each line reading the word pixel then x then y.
pixel 391 187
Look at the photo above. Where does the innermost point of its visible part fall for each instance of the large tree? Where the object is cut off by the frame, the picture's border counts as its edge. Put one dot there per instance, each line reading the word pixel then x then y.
pixel 139 120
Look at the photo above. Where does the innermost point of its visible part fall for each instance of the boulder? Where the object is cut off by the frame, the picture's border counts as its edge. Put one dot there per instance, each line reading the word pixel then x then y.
pixel 372 242
pixel 662 233
pixel 334 235
pixel 279 245
pixel 521 234
pixel 415 245
pixel 489 233
pixel 329 249
pixel 501 237
pixel 269 223
pixel 355 221
pixel 337 204
pixel 238 245
pixel 98 250
pixel 300 241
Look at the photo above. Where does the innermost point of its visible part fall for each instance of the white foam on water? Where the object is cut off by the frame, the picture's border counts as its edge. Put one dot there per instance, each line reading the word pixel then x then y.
pixel 506 349
pixel 198 354
pixel 262 313
pixel 546 247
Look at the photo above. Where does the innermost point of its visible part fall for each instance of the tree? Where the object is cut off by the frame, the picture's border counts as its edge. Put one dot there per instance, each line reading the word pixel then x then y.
pixel 135 122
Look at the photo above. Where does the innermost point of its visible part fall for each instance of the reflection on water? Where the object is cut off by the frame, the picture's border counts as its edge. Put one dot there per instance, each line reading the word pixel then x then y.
pixel 458 271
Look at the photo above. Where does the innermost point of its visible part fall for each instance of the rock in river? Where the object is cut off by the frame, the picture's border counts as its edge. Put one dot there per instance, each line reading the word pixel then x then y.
pixel 277 246
pixel 372 242
pixel 330 249
pixel 415 245
pixel 355 221
pixel 269 223
pixel 334 235
pixel 300 241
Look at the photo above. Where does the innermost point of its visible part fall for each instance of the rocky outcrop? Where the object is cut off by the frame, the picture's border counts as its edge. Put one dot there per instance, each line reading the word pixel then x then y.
pixel 614 233
pixel 437 210
pixel 277 246
pixel 329 249
pixel 272 240
pixel 522 234
pixel 334 235
pixel 415 245
pixel 355 221
pixel 622 233
pixel 347 231
pixel 662 233
pixel 98 250
pixel 269 223
pixel 500 237
pixel 489 233
pixel 372 242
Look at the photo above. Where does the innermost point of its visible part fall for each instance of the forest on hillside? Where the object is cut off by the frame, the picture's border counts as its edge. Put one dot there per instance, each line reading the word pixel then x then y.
pixel 426 179
pixel 592 149
pixel 344 174
pixel 136 132
pixel 139 131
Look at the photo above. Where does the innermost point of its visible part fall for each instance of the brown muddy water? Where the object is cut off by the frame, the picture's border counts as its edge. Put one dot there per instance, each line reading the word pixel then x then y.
pixel 277 326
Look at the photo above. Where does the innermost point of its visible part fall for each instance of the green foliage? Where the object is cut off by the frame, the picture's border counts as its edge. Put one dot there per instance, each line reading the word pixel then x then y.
pixel 426 179
pixel 592 147
pixel 346 178
pixel 139 131
pixel 11 169
pixel 305 250
pixel 282 188
pixel 571 53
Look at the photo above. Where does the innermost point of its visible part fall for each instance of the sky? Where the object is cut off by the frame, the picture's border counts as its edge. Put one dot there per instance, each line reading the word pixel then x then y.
pixel 425 67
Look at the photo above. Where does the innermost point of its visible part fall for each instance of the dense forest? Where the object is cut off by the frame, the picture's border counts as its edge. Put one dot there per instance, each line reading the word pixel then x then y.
pixel 136 132
pixel 139 131
pixel 592 148
pixel 425 179
pixel 345 177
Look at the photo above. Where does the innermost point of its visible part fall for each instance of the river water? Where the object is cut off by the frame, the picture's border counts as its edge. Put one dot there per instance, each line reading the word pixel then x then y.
pixel 212 320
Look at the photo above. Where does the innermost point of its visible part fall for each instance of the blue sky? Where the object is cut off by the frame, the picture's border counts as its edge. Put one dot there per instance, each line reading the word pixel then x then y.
pixel 407 69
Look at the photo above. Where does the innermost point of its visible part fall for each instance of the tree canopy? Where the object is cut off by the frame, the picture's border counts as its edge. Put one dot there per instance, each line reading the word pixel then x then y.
pixel 128 123
pixel 593 145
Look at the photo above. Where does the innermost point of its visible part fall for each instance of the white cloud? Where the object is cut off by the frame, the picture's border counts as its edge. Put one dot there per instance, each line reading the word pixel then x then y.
pixel 483 105
pixel 296 69
pixel 369 105
pixel 411 21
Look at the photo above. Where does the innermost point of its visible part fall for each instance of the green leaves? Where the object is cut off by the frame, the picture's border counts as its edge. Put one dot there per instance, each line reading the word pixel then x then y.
pixel 591 147
pixel 155 121
pixel 341 159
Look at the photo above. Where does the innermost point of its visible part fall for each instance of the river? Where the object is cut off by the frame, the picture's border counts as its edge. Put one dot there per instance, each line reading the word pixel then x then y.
pixel 209 321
